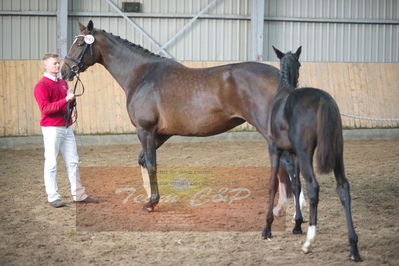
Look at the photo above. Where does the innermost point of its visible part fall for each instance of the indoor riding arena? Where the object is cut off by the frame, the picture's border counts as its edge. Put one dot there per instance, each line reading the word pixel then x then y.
pixel 172 107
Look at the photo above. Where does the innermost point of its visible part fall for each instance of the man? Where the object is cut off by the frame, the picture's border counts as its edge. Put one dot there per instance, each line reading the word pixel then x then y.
pixel 52 96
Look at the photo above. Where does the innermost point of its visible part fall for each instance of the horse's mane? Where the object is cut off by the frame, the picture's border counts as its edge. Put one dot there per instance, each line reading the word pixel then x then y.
pixel 285 67
pixel 132 46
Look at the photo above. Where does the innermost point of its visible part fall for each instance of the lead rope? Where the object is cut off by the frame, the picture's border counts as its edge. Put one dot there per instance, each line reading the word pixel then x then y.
pixel 71 114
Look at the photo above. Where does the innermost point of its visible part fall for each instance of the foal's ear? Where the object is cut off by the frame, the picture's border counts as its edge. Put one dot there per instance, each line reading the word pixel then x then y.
pixel 278 52
pixel 298 52
pixel 81 26
pixel 90 26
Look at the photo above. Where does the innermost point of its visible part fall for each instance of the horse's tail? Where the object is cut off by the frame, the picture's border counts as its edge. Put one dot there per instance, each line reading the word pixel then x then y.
pixel 329 135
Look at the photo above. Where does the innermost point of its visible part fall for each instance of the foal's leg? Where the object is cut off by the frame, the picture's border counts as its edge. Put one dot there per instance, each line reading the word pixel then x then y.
pixel 296 188
pixel 147 140
pixel 302 202
pixel 275 161
pixel 343 191
pixel 305 164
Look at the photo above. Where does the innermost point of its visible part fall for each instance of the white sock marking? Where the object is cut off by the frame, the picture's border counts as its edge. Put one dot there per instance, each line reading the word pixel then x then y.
pixel 310 238
pixel 282 203
pixel 146 181
pixel 302 202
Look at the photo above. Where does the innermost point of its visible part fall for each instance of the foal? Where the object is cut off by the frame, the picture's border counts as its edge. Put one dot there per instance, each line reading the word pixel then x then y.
pixel 301 120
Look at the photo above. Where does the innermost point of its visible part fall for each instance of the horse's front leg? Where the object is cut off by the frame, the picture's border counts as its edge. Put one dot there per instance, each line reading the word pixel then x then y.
pixel 159 140
pixel 274 153
pixel 148 165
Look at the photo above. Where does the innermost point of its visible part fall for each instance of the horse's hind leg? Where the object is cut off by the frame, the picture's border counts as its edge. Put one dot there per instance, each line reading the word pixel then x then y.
pixel 305 164
pixel 296 188
pixel 343 191
pixel 275 161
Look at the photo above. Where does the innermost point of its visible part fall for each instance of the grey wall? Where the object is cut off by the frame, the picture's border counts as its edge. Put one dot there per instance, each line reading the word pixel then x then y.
pixel 337 30
pixel 208 40
pixel 328 30
pixel 27 37
pixel 218 38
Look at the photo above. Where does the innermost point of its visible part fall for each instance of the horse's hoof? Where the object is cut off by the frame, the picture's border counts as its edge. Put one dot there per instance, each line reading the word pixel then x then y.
pixel 279 211
pixel 355 257
pixel 297 228
pixel 297 231
pixel 306 249
pixel 148 207
pixel 266 234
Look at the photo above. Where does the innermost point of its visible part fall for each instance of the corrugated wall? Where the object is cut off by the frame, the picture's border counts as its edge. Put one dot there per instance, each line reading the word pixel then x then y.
pixel 207 39
pixel 333 42
pixel 211 39
pixel 27 37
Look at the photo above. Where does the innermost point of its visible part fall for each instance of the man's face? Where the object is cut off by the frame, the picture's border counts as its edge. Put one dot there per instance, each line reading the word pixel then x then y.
pixel 52 66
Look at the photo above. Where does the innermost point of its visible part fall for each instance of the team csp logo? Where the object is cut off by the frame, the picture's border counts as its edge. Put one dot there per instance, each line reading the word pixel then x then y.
pixel 191 199
pixel 181 183
pixel 196 187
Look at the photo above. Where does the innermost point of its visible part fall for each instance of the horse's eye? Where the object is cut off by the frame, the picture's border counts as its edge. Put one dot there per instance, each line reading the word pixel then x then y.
pixel 80 44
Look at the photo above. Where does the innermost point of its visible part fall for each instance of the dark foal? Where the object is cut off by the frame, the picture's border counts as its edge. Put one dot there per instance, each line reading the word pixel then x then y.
pixel 165 98
pixel 301 120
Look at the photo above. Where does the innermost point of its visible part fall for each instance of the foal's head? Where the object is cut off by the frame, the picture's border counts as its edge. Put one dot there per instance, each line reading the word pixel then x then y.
pixel 83 52
pixel 289 66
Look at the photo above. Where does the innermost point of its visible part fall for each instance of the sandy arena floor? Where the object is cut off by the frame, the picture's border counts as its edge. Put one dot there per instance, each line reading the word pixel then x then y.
pixel 33 233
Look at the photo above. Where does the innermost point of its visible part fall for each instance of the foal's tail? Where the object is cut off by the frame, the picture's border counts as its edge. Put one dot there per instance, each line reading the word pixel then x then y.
pixel 329 135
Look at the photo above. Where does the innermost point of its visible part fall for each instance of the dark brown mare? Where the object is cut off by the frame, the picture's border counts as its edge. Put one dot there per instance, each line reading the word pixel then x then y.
pixel 165 98
pixel 301 120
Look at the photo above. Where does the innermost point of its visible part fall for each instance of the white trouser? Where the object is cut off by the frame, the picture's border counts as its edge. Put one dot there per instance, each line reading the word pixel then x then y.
pixel 61 139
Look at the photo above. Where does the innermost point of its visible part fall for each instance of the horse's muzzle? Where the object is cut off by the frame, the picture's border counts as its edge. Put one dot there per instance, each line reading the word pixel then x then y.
pixel 67 74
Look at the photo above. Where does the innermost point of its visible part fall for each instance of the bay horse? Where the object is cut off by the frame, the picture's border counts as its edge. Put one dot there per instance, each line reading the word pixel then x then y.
pixel 165 98
pixel 301 120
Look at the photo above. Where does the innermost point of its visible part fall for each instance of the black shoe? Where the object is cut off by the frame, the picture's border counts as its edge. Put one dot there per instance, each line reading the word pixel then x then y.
pixel 88 200
pixel 57 203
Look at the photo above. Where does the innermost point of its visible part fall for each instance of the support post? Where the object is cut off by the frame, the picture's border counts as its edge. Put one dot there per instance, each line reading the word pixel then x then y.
pixel 257 22
pixel 62 28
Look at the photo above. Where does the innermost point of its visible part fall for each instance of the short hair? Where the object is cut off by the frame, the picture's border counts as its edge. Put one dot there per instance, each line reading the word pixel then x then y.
pixel 47 56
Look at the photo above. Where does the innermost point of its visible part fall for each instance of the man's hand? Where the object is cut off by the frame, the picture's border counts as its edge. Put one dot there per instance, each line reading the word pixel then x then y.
pixel 70 96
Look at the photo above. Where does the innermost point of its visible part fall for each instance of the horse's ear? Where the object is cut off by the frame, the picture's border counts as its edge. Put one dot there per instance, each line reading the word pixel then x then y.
pixel 90 26
pixel 278 52
pixel 81 26
pixel 298 52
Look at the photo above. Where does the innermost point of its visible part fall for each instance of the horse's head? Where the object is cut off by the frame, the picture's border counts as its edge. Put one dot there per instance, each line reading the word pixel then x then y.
pixel 82 54
pixel 289 65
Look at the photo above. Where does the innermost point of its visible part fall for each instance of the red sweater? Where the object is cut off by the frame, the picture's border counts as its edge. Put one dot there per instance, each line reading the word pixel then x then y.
pixel 50 96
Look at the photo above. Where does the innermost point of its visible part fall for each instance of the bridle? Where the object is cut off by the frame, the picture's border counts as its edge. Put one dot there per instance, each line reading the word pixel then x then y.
pixel 78 66
pixel 71 113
